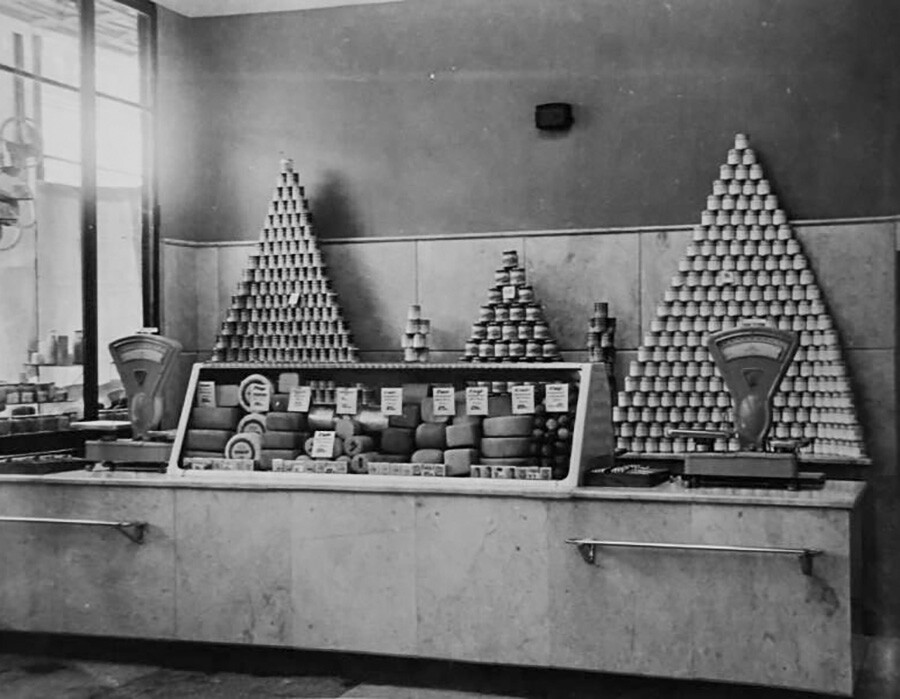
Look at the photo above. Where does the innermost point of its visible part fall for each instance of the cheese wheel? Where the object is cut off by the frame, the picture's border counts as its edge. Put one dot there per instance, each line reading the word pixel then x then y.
pixel 228 396
pixel 207 440
pixel 372 420
pixel 337 450
pixel 287 381
pixel 284 440
pixel 507 461
pixel 267 455
pixel 358 444
pixel 347 427
pixel 251 385
pixel 320 417
pixel 286 422
pixel 415 392
pixel 430 435
pixel 360 462
pixel 463 419
pixel 508 426
pixel 192 454
pixel 411 417
pixel 397 440
pixel 427 406
pixel 243 446
pixel 427 456
pixel 500 405
pixel 459 461
pixel 463 435
pixel 252 423
pixel 505 447
pixel 215 418
pixel 279 402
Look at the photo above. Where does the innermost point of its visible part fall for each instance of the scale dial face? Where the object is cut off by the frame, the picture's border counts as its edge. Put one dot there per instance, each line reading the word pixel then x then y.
pixel 753 361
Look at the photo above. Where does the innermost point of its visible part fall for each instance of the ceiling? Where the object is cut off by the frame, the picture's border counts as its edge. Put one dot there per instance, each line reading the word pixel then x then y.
pixel 211 8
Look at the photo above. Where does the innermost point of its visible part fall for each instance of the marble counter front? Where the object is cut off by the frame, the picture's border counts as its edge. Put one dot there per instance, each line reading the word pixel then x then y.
pixel 476 572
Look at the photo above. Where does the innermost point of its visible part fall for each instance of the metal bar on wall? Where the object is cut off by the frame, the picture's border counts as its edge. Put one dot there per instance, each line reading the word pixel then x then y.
pixel 149 206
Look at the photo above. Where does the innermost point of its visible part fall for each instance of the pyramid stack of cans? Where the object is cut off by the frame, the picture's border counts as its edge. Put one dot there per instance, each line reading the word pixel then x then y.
pixel 744 264
pixel 285 308
pixel 415 338
pixel 511 326
pixel 601 340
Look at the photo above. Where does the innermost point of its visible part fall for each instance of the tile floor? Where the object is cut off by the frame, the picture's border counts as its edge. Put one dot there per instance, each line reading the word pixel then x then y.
pixel 66 676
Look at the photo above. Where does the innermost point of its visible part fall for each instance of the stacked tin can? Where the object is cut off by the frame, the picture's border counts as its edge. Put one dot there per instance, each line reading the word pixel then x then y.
pixel 285 308
pixel 511 326
pixel 744 264
pixel 415 337
pixel 601 341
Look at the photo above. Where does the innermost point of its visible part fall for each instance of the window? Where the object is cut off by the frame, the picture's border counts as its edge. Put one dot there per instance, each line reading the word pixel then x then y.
pixel 78 244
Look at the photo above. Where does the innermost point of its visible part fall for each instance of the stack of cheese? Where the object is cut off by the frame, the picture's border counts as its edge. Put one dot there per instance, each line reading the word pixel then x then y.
pixel 285 308
pixel 511 326
pixel 745 264
pixel 415 338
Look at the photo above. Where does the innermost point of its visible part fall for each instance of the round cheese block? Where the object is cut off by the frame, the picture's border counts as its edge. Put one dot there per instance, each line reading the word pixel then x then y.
pixel 283 440
pixel 228 395
pixel 411 417
pixel 397 440
pixel 244 446
pixel 206 418
pixel 287 380
pixel 415 392
pixel 347 427
pixel 279 402
pixel 462 419
pixel 286 422
pixel 500 405
pixel 508 426
pixel 430 435
pixel 427 456
pixel 505 447
pixel 459 461
pixel 358 444
pixel 336 451
pixel 427 406
pixel 250 386
pixel 372 420
pixel 207 440
pixel 320 417
pixel 252 423
pixel 464 435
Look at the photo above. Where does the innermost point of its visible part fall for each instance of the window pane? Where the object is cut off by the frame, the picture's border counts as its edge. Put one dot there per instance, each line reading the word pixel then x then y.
pixel 60 123
pixel 47 33
pixel 118 62
pixel 119 143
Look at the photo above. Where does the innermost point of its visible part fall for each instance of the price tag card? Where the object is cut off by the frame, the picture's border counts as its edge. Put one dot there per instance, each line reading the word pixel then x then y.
pixel 477 400
pixel 346 399
pixel 556 397
pixel 523 400
pixel 259 397
pixel 299 399
pixel 294 299
pixel 323 444
pixel 444 401
pixel 206 394
pixel 509 293
pixel 392 401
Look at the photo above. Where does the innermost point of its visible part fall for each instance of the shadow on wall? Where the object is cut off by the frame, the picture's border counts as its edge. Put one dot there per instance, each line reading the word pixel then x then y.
pixel 333 212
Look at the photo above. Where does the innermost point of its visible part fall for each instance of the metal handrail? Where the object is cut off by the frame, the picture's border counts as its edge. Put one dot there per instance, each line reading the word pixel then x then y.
pixel 133 530
pixel 587 549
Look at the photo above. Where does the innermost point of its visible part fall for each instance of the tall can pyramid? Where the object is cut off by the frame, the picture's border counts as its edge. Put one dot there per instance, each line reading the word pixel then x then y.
pixel 744 266
pixel 284 308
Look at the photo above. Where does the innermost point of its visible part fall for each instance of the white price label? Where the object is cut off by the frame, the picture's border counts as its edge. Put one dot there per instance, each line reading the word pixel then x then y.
pixel 523 400
pixel 509 293
pixel 444 401
pixel 323 444
pixel 206 394
pixel 392 401
pixel 477 400
pixel 557 397
pixel 346 399
pixel 294 299
pixel 259 397
pixel 299 399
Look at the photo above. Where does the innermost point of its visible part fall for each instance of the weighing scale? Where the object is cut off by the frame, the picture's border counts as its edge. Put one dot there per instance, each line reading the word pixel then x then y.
pixel 752 361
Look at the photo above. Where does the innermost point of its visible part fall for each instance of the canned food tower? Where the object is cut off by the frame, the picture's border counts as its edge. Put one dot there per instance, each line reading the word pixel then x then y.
pixel 744 266
pixel 601 340
pixel 284 308
pixel 511 326
pixel 414 340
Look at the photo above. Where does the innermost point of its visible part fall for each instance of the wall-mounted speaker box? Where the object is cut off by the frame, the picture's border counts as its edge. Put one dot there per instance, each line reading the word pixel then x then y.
pixel 553 116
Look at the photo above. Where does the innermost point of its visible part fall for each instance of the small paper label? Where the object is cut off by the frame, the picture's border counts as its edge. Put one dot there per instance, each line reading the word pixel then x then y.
pixel 392 401
pixel 477 400
pixel 259 397
pixel 509 293
pixel 346 399
pixel 323 444
pixel 206 394
pixel 299 399
pixel 523 400
pixel 294 299
pixel 444 401
pixel 557 397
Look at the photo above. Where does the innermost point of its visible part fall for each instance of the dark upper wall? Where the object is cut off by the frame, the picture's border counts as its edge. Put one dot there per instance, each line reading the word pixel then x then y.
pixel 416 117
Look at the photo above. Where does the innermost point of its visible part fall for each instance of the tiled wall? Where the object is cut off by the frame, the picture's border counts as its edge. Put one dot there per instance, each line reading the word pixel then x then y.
pixel 855 265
